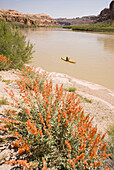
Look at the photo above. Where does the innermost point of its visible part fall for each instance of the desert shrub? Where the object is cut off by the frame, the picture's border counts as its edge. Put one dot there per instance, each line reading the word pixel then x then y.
pixel 14 46
pixel 3 101
pixel 72 89
pixel 19 25
pixel 102 27
pixel 51 129
pixel 87 100
pixel 30 75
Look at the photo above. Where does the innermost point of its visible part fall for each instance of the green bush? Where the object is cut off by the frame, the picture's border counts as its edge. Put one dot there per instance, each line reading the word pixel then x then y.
pixel 93 28
pixel 14 46
pixel 19 25
pixel 72 89
pixel 97 28
pixel 3 101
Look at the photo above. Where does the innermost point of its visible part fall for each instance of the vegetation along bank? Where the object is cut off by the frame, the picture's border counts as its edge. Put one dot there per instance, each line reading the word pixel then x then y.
pixel 94 28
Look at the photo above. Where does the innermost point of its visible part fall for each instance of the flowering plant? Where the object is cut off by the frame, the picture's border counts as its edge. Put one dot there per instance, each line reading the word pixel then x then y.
pixel 4 63
pixel 51 129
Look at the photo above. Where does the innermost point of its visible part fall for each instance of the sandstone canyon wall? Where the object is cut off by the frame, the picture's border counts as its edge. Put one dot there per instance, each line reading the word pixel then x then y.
pixel 28 19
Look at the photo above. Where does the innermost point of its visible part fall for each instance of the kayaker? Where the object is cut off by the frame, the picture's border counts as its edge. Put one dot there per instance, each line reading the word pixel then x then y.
pixel 67 58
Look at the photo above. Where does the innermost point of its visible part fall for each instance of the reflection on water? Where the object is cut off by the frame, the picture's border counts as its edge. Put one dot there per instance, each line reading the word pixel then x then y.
pixel 108 42
pixel 93 52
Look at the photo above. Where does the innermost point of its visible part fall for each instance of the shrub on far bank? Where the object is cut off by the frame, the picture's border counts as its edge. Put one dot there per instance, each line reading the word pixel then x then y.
pixel 50 128
pixel 95 27
pixel 14 46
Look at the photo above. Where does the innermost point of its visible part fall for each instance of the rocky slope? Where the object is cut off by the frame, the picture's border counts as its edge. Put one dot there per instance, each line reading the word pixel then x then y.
pixel 28 19
pixel 105 14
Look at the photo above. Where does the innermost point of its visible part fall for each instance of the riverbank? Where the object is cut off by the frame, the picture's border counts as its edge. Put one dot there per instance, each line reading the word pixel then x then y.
pixel 101 104
pixel 87 27
pixel 93 28
pixel 95 99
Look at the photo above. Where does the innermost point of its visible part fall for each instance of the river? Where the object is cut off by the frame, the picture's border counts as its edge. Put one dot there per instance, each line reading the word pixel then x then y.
pixel 93 53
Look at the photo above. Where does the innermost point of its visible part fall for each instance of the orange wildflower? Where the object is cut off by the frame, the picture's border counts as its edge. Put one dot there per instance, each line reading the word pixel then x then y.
pixel 68 145
pixel 97 163
pixel 66 122
pixel 41 117
pixel 40 131
pixel 43 160
pixel 15 145
pixel 27 111
pixel 21 150
pixel 85 162
pixel 4 137
pixel 103 136
pixel 103 147
pixel 80 157
pixel 72 164
pixel 106 168
pixel 91 164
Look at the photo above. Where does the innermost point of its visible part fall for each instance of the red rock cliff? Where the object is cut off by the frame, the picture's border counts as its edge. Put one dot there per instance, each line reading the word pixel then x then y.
pixel 28 19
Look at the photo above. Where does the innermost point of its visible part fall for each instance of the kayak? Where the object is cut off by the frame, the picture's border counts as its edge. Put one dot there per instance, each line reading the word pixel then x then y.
pixel 70 61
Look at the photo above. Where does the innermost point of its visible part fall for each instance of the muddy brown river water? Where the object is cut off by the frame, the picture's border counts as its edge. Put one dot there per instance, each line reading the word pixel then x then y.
pixel 93 53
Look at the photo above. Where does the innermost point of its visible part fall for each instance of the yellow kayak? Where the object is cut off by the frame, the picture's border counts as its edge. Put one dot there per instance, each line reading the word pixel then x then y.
pixel 70 61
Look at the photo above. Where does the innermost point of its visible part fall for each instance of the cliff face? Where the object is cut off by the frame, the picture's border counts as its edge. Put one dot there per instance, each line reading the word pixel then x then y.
pixel 105 14
pixel 112 6
pixel 77 21
pixel 28 19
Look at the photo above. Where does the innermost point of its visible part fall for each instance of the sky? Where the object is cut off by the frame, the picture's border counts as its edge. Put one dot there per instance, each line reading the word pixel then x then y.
pixel 57 8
